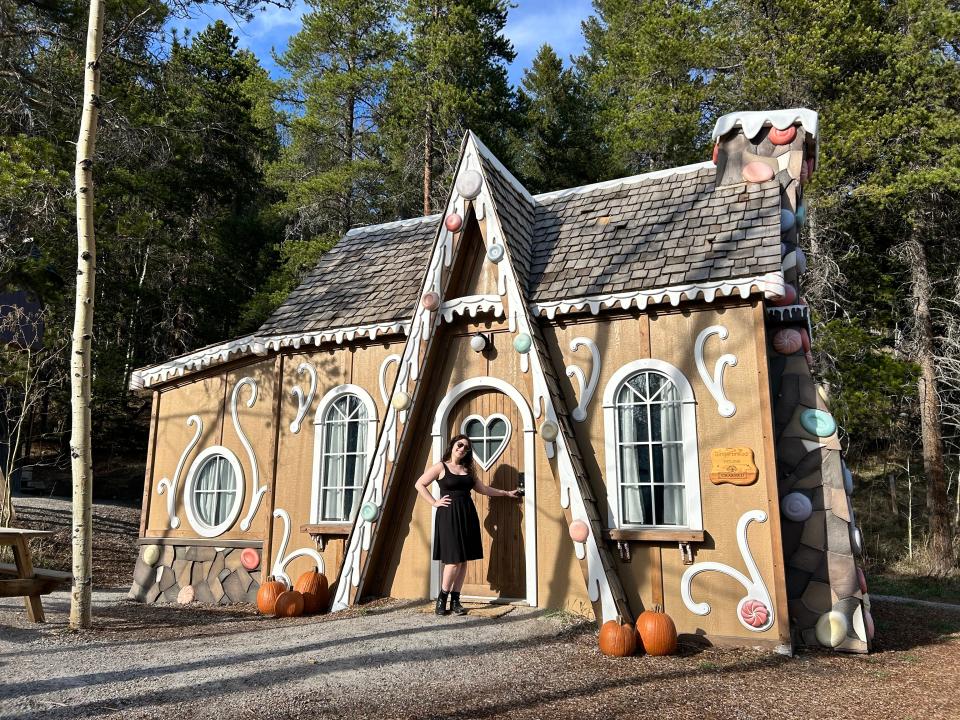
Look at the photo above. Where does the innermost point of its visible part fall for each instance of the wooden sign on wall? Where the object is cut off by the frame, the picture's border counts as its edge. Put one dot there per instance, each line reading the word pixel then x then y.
pixel 733 465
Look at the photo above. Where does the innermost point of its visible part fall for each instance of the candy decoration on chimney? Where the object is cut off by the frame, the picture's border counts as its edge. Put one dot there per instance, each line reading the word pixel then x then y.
pixel 782 137
pixel 757 172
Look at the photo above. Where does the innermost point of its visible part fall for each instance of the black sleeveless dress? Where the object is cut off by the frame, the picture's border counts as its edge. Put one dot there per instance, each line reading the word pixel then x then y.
pixel 456 536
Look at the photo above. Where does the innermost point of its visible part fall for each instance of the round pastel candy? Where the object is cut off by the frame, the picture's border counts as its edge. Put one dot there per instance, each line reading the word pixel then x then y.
pixel 832 628
pixel 757 172
pixel 478 343
pixel 495 253
pixel 579 531
pixel 522 343
pixel 431 301
pixel 469 184
pixel 796 506
pixel 369 512
pixel 782 137
pixel 786 341
pixel 818 422
pixel 250 559
pixel 801 214
pixel 453 222
pixel 787 220
pixel 401 401
pixel 549 431
pixel 847 479
pixel 151 553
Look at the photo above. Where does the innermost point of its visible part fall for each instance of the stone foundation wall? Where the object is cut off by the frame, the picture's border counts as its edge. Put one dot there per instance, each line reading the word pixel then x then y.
pixel 184 573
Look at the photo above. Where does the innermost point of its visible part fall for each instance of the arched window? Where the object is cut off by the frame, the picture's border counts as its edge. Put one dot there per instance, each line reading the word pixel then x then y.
pixel 653 474
pixel 345 432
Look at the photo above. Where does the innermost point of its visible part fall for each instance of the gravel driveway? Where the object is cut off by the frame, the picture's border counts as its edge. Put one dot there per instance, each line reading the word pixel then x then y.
pixel 390 660
pixel 216 663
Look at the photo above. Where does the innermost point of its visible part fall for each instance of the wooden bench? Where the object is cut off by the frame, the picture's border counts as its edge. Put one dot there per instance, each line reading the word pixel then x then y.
pixel 26 581
pixel 43 581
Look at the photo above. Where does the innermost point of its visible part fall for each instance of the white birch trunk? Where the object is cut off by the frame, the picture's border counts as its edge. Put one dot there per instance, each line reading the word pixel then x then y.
pixel 80 370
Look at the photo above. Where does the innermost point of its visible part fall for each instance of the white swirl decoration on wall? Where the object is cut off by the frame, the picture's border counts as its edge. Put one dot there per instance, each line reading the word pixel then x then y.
pixel 303 402
pixel 170 487
pixel 755 610
pixel 715 383
pixel 283 560
pixel 258 491
pixel 587 389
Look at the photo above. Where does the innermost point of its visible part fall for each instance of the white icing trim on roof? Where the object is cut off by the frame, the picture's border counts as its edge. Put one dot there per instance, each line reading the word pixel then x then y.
pixel 471 304
pixel 656 174
pixel 771 285
pixel 255 345
pixel 495 161
pixel 409 222
pixel 753 122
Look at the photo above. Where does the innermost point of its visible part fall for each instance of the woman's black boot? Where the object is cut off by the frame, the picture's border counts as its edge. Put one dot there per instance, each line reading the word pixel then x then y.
pixel 455 605
pixel 441 603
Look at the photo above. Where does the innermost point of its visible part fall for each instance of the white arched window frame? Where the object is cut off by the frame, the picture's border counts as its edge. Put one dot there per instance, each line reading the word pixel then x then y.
pixel 690 454
pixel 319 439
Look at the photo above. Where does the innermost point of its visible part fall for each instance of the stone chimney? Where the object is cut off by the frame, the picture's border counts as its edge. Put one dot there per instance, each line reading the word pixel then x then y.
pixel 752 147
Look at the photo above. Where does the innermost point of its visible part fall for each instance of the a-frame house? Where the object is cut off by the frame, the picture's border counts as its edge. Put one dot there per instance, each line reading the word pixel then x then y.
pixel 631 353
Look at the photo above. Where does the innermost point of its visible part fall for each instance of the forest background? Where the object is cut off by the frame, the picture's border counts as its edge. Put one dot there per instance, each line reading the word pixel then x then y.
pixel 218 187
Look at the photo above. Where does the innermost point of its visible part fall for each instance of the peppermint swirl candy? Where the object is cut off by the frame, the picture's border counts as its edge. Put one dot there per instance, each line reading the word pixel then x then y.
pixel 754 613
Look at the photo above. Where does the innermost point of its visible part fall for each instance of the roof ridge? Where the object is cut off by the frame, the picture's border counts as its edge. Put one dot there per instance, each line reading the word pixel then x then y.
pixel 502 169
pixel 631 180
pixel 407 222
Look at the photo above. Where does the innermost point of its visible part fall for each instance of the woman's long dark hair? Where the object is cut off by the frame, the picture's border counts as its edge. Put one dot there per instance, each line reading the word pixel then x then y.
pixel 467 461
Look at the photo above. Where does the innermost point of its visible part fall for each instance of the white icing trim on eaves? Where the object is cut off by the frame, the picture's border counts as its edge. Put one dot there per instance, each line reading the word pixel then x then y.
pixel 255 345
pixel 771 285
pixel 471 304
pixel 408 222
pixel 753 122
pixel 633 179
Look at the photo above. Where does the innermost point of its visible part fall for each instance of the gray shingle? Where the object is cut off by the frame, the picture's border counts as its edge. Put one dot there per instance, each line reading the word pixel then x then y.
pixel 656 232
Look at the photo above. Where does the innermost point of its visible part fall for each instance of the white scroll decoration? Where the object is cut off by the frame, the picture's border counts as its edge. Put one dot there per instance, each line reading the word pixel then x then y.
pixel 170 487
pixel 257 491
pixel 715 384
pixel 755 610
pixel 283 560
pixel 303 403
pixel 387 361
pixel 587 389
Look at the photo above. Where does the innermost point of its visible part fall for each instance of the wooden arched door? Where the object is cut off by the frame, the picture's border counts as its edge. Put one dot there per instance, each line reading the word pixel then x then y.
pixel 492 421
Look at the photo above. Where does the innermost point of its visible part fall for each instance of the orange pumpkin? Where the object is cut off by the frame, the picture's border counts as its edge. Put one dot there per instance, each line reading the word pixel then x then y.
pixel 289 604
pixel 618 639
pixel 267 595
pixel 316 593
pixel 657 632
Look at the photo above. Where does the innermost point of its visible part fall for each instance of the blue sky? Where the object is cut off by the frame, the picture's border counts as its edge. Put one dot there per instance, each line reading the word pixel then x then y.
pixel 529 25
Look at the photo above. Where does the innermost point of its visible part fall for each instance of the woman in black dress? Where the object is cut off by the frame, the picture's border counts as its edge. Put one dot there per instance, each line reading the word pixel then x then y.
pixel 456 538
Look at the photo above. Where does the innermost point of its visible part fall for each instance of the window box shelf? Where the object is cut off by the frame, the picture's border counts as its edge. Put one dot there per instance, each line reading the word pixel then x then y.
pixel 653 535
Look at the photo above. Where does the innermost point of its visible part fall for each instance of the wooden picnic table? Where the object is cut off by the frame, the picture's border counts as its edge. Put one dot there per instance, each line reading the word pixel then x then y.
pixel 27 581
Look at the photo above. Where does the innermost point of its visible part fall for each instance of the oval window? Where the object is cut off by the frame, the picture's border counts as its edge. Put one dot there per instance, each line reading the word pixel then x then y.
pixel 214 491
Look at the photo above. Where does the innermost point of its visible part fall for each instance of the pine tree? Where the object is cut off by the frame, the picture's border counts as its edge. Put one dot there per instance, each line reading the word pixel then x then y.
pixel 453 77
pixel 331 170
pixel 651 65
pixel 557 146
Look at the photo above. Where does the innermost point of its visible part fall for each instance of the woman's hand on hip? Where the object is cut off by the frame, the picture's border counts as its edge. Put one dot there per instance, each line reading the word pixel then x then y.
pixel 443 502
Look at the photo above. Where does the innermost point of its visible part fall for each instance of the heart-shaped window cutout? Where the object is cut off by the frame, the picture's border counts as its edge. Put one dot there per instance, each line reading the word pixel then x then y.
pixel 488 437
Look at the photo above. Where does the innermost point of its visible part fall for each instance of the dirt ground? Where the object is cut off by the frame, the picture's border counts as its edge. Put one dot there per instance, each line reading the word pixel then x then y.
pixel 390 660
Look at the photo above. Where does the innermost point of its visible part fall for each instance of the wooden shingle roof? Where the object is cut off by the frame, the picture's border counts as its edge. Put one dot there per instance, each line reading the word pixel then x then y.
pixel 651 231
